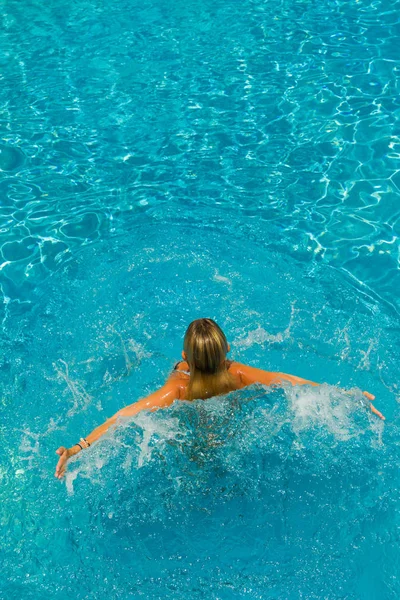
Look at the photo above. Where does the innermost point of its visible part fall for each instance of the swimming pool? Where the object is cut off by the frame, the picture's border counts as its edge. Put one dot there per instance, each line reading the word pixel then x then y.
pixel 161 163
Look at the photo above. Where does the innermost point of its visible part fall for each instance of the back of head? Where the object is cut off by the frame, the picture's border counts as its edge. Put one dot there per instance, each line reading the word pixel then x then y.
pixel 206 346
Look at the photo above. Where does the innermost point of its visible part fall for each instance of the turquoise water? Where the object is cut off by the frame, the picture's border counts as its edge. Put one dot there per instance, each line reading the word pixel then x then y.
pixel 160 163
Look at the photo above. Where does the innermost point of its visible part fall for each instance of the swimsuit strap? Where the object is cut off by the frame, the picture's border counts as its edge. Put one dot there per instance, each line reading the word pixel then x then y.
pixel 176 370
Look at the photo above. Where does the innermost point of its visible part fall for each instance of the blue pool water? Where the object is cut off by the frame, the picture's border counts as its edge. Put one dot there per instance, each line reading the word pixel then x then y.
pixel 164 161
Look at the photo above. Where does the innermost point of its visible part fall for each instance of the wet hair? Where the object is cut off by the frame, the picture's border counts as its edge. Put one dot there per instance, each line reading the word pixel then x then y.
pixel 206 347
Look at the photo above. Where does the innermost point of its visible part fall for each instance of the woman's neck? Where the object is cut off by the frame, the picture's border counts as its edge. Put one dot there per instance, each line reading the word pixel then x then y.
pixel 205 385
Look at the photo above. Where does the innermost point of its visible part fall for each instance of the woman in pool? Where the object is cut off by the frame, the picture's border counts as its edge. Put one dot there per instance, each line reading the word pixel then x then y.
pixel 203 373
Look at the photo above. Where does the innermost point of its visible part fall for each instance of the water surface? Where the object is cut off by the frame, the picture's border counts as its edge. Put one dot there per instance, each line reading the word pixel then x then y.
pixel 161 163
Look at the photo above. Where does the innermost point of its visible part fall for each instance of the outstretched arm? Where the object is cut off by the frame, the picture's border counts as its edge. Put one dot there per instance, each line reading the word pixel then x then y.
pixel 159 399
pixel 251 375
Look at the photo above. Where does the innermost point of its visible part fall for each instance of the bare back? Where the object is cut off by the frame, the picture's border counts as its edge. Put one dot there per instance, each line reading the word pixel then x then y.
pixel 181 376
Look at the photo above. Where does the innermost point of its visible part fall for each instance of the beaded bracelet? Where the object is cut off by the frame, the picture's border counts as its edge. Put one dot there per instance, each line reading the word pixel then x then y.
pixel 83 444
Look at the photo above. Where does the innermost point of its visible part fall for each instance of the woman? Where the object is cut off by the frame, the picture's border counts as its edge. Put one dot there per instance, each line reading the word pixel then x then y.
pixel 204 372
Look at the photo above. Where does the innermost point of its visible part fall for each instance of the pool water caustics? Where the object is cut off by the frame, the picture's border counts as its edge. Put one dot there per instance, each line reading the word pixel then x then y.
pixel 160 163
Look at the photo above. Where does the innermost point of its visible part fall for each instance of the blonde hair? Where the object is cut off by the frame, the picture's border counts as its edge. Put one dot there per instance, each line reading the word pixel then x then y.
pixel 205 346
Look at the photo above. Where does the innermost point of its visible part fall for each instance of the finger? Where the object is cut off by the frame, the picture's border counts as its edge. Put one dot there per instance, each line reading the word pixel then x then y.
pixel 61 462
pixel 60 468
pixel 376 412
pixel 59 472
pixel 370 397
pixel 60 450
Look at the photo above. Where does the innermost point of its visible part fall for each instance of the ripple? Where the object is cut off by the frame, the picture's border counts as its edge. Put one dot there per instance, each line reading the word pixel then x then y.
pixel 164 160
pixel 19 250
pixel 281 117
pixel 82 228
pixel 96 322
pixel 11 158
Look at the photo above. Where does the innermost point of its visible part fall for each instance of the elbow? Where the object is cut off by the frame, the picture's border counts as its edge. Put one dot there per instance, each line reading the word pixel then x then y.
pixel 113 419
pixel 128 411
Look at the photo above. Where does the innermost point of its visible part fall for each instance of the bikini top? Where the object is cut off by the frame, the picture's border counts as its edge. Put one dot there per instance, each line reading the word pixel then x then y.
pixel 176 370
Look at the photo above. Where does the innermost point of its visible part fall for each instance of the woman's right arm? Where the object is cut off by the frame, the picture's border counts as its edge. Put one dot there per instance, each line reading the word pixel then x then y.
pixel 163 397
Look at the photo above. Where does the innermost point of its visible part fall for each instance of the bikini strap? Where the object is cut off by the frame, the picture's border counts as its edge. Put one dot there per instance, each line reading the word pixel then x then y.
pixel 177 370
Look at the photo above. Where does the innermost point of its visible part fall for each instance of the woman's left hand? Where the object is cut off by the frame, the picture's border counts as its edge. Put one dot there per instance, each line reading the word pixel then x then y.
pixel 376 412
pixel 371 398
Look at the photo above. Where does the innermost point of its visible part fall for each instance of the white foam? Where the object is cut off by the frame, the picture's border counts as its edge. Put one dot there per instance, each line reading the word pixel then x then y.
pixel 324 409
pixel 159 431
pixel 81 399
pixel 139 350
pixel 365 363
pixel 153 434
pixel 30 446
pixel 222 279
pixel 70 477
pixel 329 408
pixel 262 336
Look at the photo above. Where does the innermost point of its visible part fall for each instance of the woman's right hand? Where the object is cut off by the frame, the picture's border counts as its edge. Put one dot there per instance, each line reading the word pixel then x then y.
pixel 64 454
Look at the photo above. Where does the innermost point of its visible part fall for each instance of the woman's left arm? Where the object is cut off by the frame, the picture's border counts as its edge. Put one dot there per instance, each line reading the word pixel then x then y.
pixel 163 397
pixel 251 375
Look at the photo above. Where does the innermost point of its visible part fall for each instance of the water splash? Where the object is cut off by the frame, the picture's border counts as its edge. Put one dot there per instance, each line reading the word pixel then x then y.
pixel 81 398
pixel 262 336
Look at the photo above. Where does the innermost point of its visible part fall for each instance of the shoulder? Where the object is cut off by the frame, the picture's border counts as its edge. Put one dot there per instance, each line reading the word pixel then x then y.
pixel 246 373
pixel 181 367
pixel 178 379
pixel 179 372
pixel 235 368
pixel 173 387
pixel 238 370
